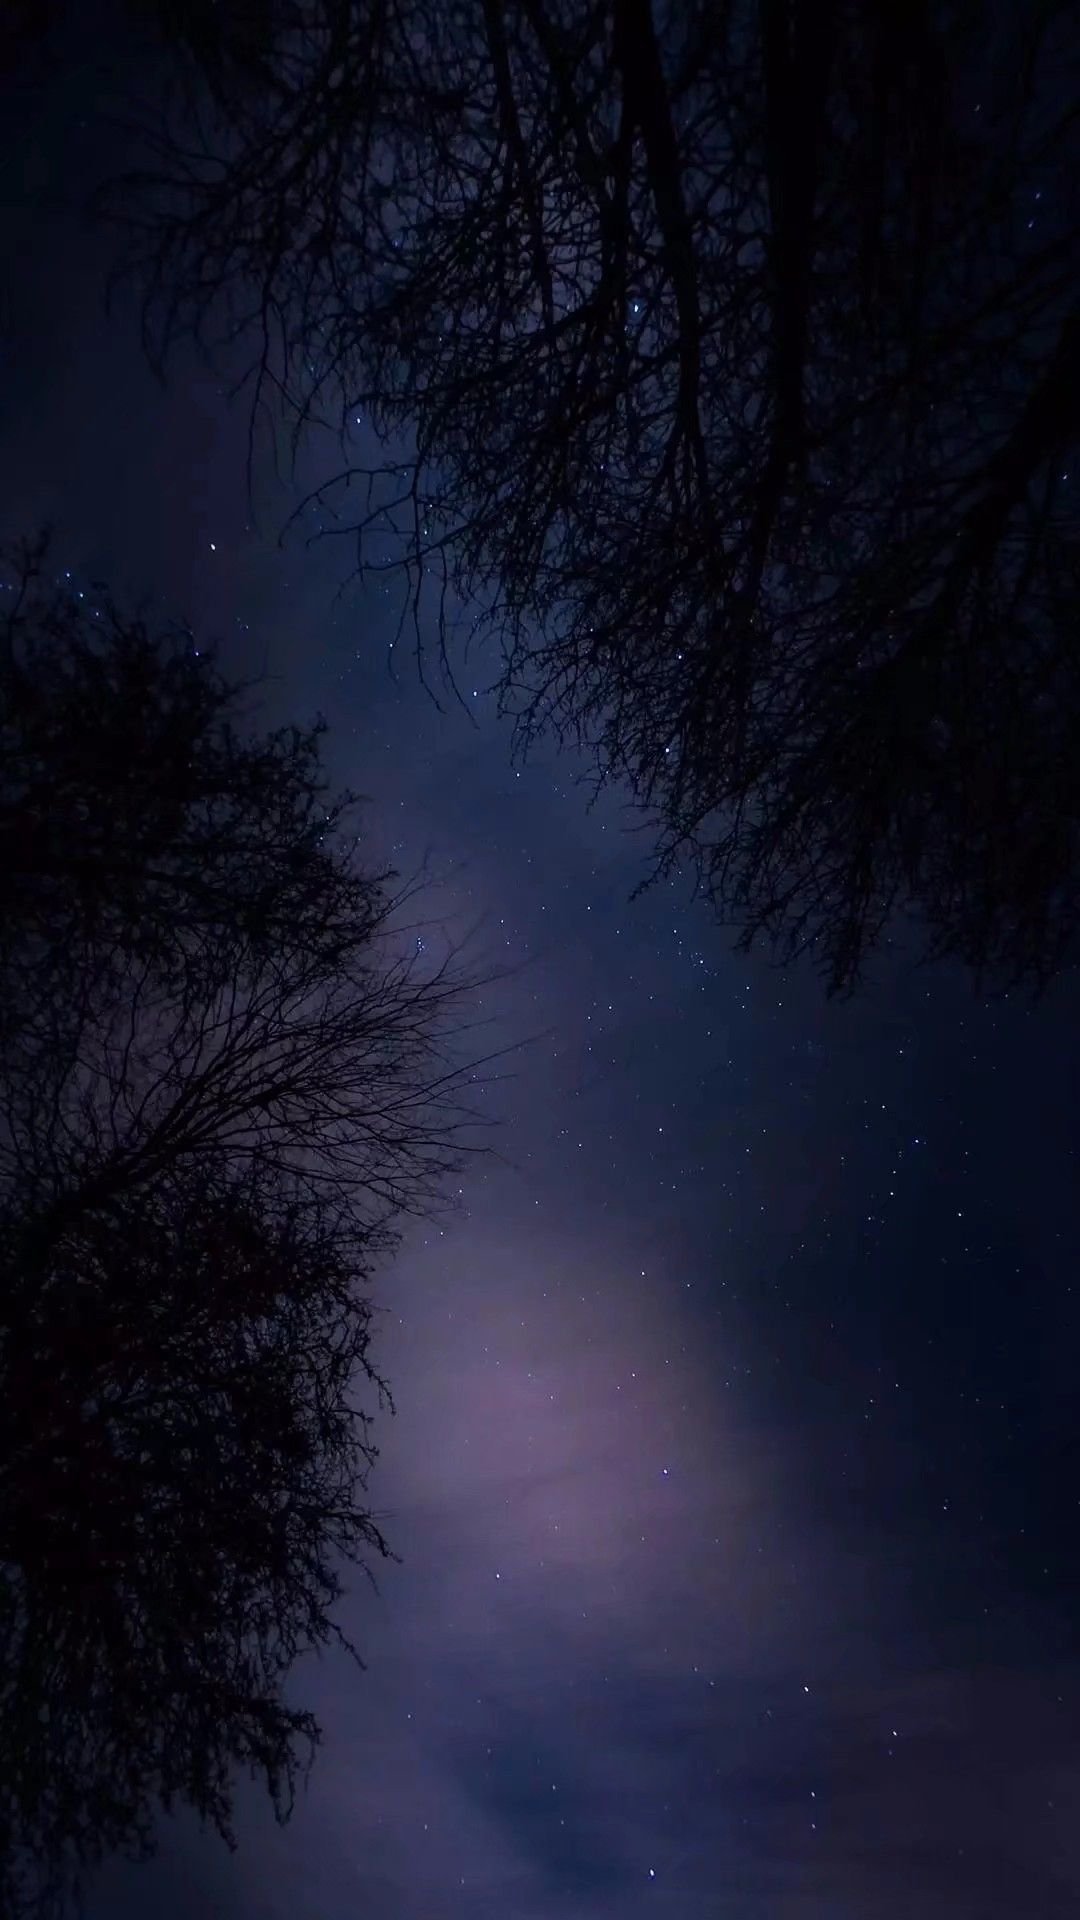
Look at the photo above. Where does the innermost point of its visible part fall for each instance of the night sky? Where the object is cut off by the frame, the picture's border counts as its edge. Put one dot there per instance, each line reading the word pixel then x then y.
pixel 734 1472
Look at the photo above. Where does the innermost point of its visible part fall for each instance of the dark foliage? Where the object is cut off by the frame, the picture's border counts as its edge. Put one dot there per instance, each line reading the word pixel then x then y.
pixel 724 355
pixel 223 1078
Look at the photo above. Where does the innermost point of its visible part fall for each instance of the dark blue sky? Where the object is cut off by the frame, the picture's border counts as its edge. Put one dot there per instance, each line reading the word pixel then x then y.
pixel 735 1466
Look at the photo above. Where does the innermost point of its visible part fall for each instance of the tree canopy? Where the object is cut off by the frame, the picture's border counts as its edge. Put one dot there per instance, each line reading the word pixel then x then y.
pixel 723 357
pixel 224 1077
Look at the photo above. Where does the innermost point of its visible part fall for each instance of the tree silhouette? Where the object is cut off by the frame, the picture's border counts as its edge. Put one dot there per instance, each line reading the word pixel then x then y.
pixel 224 1077
pixel 723 355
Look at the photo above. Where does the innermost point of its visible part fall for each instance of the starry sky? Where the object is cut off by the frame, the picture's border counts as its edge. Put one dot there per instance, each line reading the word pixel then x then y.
pixel 734 1469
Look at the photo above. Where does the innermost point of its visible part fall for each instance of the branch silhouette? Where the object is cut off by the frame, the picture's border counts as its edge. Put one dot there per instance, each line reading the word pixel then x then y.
pixel 226 1076
pixel 722 359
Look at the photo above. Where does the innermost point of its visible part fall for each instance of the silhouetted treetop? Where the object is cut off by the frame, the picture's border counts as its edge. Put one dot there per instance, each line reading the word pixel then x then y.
pixel 723 359
pixel 134 810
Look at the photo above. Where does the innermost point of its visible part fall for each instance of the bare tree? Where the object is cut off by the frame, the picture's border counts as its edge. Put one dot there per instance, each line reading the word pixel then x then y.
pixel 225 1076
pixel 723 356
